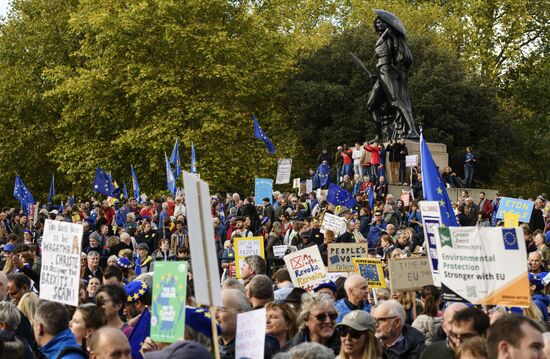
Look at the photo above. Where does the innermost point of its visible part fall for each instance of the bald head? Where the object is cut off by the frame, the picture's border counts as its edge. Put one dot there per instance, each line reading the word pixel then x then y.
pixel 356 289
pixel 109 342
pixel 448 315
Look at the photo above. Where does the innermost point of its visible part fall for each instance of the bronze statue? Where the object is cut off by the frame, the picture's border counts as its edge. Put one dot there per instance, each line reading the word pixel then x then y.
pixel 389 101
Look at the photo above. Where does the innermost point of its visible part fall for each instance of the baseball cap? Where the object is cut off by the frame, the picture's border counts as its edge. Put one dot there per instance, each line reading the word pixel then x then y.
pixel 183 349
pixel 359 320
pixel 9 247
pixel 326 284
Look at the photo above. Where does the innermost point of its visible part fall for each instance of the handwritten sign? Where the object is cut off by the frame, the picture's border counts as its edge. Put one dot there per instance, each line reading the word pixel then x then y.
pixel 250 338
pixel 60 273
pixel 247 246
pixel 371 270
pixel 411 161
pixel 309 186
pixel 340 255
pixel 296 183
pixel 405 197
pixel 306 268
pixel 410 273
pixel 513 205
pixel 284 167
pixel 334 223
pixel 279 251
pixel 168 308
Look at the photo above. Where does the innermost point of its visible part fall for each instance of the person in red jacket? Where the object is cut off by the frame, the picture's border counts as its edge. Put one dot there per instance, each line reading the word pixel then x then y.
pixel 374 149
pixel 485 205
pixel 347 160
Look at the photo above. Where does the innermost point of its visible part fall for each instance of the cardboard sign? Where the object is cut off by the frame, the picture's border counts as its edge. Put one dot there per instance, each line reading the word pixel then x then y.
pixel 250 337
pixel 483 265
pixel 247 246
pixel 411 161
pixel 284 167
pixel 431 220
pixel 263 189
pixel 334 223
pixel 371 270
pixel 296 183
pixel 169 298
pixel 279 251
pixel 340 255
pixel 513 205
pixel 410 273
pixel 306 268
pixel 60 273
pixel 511 220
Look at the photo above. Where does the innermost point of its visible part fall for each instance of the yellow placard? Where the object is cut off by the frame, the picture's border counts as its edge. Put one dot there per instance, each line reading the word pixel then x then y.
pixel 247 246
pixel 371 270
pixel 511 220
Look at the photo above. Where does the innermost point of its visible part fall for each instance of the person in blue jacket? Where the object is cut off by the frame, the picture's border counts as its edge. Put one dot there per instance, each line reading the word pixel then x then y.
pixel 541 300
pixel 357 293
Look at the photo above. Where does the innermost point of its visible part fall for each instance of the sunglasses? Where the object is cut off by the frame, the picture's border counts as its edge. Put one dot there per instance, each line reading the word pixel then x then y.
pixel 343 331
pixel 321 316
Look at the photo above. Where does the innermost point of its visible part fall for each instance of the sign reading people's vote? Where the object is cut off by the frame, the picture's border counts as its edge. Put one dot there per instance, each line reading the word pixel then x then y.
pixel 513 205
pixel 169 295
pixel 60 273
pixel 483 265
pixel 284 167
pixel 334 223
pixel 247 246
pixel 263 189
pixel 306 268
pixel 410 273
pixel 250 337
pixel 340 255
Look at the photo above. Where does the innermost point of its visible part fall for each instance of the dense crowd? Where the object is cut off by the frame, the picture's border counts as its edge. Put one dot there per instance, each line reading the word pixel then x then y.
pixel 123 241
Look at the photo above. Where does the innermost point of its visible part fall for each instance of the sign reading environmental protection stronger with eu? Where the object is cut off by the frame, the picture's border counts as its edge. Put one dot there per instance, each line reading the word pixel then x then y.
pixel 483 265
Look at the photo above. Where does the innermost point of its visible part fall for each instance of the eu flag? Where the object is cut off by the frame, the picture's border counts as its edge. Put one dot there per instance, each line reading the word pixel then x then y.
pixel 51 194
pixel 125 190
pixel 260 134
pixel 170 180
pixel 370 194
pixel 135 183
pixel 433 187
pixel 103 183
pixel 70 201
pixel 193 159
pixel 175 159
pixel 381 171
pixel 340 197
pixel 22 194
pixel 141 330
pixel 323 172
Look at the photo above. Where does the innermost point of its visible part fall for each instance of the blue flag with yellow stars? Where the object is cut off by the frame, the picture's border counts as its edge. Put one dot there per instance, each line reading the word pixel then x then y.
pixel 135 184
pixel 340 197
pixel 260 134
pixel 370 193
pixel 323 172
pixel 193 159
pixel 141 331
pixel 175 159
pixel 22 194
pixel 103 183
pixel 170 179
pixel 51 194
pixel 433 187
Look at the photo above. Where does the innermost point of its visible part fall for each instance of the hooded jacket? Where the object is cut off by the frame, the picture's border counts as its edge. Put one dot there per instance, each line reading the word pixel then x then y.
pixel 60 342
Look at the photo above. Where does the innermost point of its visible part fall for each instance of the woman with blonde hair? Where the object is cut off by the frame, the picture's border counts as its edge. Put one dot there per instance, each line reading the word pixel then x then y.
pixel 281 322
pixel 357 336
pixel 27 305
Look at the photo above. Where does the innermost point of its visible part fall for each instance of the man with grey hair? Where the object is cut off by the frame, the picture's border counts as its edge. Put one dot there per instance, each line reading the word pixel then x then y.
pixel 234 302
pixel 93 269
pixel 259 291
pixel 399 340
pixel 357 292
pixel 440 348
pixel 307 350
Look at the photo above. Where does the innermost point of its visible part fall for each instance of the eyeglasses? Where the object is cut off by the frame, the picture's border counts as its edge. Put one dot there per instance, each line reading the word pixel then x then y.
pixel 461 337
pixel 321 316
pixel 343 331
pixel 383 319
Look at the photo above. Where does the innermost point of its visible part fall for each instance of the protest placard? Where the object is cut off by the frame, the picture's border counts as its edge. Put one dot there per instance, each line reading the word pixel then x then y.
pixel 371 270
pixel 306 267
pixel 60 269
pixel 411 161
pixel 334 223
pixel 250 337
pixel 296 183
pixel 263 189
pixel 279 251
pixel 405 197
pixel 340 255
pixel 511 220
pixel 247 246
pixel 335 275
pixel 483 265
pixel 513 205
pixel 169 298
pixel 302 189
pixel 309 186
pixel 410 273
pixel 284 167
pixel 431 220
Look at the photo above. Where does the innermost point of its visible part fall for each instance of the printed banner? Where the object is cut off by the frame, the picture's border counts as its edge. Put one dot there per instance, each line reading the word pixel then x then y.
pixel 483 265
pixel 371 270
pixel 306 268
pixel 411 161
pixel 431 220
pixel 283 171
pixel 169 298
pixel 410 273
pixel 309 186
pixel 513 205
pixel 247 246
pixel 334 223
pixel 60 270
pixel 250 338
pixel 340 255
pixel 263 189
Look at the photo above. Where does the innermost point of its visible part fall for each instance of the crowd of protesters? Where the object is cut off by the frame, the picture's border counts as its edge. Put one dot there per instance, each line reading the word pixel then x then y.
pixel 122 241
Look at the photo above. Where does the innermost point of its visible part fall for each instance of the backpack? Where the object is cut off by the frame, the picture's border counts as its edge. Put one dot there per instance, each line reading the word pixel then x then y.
pixel 68 350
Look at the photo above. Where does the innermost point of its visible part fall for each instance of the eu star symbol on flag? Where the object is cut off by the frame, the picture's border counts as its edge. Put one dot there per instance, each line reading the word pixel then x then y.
pixel 439 190
pixel 510 239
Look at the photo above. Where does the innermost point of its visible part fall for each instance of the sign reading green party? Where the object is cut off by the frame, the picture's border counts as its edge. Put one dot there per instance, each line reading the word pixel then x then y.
pixel 168 307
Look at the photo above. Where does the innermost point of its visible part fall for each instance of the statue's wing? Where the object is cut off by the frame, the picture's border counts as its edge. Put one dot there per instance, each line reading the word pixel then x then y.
pixel 391 20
